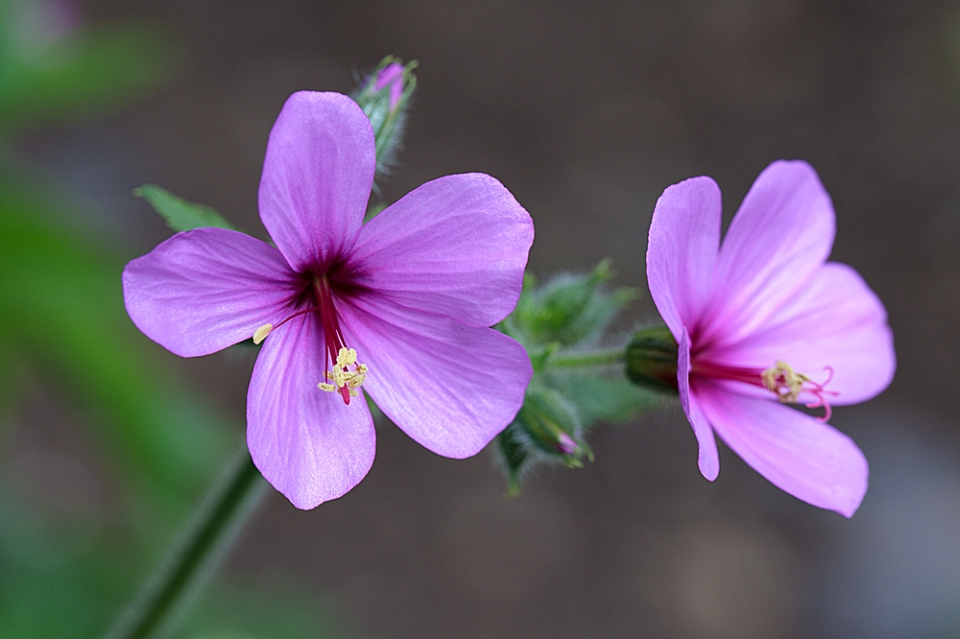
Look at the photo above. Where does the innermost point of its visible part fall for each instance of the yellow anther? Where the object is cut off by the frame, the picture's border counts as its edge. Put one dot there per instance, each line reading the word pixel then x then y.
pixel 346 357
pixel 784 382
pixel 342 376
pixel 261 333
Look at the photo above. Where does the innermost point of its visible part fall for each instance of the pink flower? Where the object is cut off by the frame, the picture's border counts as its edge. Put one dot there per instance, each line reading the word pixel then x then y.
pixel 400 306
pixel 765 320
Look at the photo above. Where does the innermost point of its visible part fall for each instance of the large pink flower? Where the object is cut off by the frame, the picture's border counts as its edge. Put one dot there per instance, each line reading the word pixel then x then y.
pixel 400 306
pixel 765 320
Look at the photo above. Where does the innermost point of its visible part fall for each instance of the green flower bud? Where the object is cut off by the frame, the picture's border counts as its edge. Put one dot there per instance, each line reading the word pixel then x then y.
pixel 547 427
pixel 569 310
pixel 651 358
pixel 384 96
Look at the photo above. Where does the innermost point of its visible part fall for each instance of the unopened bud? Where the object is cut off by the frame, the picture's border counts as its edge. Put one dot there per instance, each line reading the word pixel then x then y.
pixel 551 424
pixel 651 359
pixel 384 96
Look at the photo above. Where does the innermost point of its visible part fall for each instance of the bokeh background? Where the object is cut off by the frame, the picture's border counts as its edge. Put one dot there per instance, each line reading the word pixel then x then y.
pixel 586 111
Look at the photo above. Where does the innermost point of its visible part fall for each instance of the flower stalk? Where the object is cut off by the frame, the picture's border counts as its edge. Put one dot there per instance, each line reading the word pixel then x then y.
pixel 583 359
pixel 189 564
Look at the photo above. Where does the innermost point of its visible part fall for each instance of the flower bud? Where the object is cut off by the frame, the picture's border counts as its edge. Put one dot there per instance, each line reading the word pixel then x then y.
pixel 551 423
pixel 570 310
pixel 384 96
pixel 546 428
pixel 651 358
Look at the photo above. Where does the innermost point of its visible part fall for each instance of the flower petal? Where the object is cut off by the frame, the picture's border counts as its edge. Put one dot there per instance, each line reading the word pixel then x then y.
pixel 203 290
pixel 778 239
pixel 810 460
pixel 456 246
pixel 316 178
pixel 835 321
pixel 307 443
pixel 450 387
pixel 708 457
pixel 682 251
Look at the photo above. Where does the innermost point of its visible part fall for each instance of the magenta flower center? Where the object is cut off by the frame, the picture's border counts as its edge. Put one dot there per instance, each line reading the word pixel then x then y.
pixel 346 374
pixel 780 379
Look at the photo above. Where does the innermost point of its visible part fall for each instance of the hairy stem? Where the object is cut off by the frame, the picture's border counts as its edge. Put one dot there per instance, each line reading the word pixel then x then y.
pixel 586 358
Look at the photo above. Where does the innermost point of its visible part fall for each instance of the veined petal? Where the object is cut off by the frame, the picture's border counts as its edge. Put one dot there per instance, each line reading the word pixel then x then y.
pixel 456 246
pixel 708 457
pixel 450 387
pixel 810 460
pixel 682 251
pixel 835 321
pixel 316 179
pixel 778 239
pixel 307 443
pixel 203 290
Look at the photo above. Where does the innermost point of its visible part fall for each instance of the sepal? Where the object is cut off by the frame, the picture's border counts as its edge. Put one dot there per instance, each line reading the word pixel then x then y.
pixel 651 359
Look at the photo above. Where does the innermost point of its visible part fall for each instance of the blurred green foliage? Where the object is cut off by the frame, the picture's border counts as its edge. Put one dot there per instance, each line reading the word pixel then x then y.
pixel 67 335
pixel 53 70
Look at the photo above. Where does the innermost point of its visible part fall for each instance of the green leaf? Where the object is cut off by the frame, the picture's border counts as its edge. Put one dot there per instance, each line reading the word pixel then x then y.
pixel 180 214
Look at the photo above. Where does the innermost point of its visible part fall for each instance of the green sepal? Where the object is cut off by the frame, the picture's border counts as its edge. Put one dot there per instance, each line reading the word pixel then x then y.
pixel 514 454
pixel 651 359
pixel 180 214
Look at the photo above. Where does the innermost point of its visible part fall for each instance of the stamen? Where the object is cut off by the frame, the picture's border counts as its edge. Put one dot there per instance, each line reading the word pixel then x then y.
pixel 345 381
pixel 261 333
pixel 347 374
pixel 787 384
pixel 782 380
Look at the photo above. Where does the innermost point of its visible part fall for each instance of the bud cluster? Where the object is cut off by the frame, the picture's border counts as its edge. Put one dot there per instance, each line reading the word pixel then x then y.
pixel 557 322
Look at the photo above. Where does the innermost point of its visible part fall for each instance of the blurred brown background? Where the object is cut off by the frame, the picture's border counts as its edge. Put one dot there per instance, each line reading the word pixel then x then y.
pixel 586 112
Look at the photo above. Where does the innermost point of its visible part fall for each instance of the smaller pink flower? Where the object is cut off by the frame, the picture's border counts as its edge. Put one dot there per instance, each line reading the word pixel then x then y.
pixel 764 320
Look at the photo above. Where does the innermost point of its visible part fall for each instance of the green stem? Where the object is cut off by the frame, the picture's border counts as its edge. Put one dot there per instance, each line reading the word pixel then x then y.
pixel 192 560
pixel 590 358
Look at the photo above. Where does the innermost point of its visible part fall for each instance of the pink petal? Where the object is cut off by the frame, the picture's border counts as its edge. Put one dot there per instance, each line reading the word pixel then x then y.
pixel 709 458
pixel 810 460
pixel 203 290
pixel 456 246
pixel 307 443
pixel 835 321
pixel 316 178
pixel 778 239
pixel 450 387
pixel 682 251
